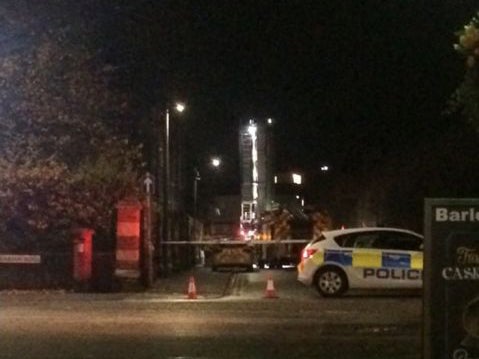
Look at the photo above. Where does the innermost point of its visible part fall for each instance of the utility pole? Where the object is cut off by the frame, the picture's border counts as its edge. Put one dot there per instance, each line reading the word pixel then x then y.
pixel 166 182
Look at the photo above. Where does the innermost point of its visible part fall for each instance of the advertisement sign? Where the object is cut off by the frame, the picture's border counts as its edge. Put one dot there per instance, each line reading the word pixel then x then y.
pixel 451 279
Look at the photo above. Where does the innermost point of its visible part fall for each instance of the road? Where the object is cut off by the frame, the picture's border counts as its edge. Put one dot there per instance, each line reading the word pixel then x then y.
pixel 241 324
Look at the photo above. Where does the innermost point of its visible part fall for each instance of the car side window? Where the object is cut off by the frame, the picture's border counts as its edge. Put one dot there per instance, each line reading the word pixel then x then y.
pixel 398 241
pixel 344 240
pixel 365 240
pixel 357 240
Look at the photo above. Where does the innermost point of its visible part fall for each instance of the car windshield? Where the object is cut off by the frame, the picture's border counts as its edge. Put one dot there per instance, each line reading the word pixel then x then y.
pixel 204 179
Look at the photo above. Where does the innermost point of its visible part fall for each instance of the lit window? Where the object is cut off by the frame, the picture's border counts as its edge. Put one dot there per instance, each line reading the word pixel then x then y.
pixel 297 178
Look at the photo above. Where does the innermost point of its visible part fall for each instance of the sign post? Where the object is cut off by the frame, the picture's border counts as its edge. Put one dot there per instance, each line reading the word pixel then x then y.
pixel 147 226
pixel 451 279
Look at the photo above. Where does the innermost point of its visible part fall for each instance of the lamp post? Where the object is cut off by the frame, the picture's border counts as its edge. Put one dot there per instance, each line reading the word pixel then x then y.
pixel 179 107
pixel 195 200
pixel 215 162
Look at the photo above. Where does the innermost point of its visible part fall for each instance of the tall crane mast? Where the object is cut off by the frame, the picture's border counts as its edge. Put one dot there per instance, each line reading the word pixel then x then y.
pixel 256 174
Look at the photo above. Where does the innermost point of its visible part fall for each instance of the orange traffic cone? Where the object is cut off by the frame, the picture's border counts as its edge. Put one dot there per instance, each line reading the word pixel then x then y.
pixel 270 290
pixel 191 288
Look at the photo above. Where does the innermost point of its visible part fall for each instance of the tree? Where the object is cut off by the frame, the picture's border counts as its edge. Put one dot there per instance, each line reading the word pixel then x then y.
pixel 466 96
pixel 63 159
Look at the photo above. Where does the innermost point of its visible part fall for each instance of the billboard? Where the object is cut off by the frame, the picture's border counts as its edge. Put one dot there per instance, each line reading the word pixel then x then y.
pixel 451 279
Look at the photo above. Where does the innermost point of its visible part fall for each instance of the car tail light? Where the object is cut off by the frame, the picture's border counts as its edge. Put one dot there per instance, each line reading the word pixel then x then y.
pixel 308 252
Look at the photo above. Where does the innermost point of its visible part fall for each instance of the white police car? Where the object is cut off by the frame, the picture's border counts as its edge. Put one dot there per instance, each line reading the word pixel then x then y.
pixel 362 258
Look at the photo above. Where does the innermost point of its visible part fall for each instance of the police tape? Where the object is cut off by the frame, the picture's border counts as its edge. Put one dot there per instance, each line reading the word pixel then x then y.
pixel 236 242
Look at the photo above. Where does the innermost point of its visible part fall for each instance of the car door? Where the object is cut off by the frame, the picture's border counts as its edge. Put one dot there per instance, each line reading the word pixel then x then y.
pixel 401 265
pixel 366 259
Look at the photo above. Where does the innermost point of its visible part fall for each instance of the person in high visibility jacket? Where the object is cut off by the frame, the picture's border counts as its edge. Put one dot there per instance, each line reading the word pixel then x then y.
pixel 282 227
pixel 281 230
pixel 321 222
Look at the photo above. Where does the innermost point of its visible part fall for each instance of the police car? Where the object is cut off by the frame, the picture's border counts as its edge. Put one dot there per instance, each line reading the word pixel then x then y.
pixel 362 258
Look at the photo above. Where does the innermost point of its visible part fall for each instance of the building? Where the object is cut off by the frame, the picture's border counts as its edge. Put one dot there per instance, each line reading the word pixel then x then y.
pixel 288 188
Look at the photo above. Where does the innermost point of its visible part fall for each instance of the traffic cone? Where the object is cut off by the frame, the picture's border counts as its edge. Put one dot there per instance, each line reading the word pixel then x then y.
pixel 270 290
pixel 191 288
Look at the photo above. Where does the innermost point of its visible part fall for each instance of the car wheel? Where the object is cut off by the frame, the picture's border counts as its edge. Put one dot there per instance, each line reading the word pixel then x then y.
pixel 331 282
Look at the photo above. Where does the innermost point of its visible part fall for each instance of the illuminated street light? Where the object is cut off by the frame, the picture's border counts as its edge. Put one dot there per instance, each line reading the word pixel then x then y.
pixel 324 168
pixel 180 107
pixel 270 121
pixel 216 162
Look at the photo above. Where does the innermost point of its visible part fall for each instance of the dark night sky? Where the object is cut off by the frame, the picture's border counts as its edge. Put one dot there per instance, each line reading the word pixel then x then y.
pixel 354 84
pixel 330 74
pixel 349 83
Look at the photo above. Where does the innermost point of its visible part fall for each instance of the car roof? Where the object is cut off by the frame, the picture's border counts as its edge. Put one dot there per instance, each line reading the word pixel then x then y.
pixel 338 232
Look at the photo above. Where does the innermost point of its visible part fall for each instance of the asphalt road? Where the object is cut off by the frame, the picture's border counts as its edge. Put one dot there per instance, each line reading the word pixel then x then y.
pixel 242 324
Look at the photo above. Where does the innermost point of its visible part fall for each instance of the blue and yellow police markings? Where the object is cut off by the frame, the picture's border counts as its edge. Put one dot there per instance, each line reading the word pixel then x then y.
pixel 372 259
pixel 416 260
pixel 367 258
pixel 344 258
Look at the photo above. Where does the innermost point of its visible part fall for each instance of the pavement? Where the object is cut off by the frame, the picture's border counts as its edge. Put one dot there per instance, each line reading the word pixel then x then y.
pixel 162 323
pixel 209 285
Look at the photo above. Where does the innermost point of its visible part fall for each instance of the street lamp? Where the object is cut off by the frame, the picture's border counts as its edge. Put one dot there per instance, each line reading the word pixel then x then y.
pixel 216 162
pixel 179 107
